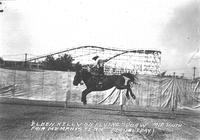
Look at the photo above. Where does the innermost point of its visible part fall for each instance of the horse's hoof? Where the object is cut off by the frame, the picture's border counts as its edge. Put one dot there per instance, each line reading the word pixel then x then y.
pixel 134 97
pixel 127 96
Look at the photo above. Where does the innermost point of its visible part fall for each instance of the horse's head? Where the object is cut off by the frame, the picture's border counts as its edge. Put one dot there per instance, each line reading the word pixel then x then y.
pixel 82 74
pixel 77 77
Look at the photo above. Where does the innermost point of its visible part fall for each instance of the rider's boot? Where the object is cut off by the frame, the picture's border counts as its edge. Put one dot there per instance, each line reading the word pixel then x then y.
pixel 100 83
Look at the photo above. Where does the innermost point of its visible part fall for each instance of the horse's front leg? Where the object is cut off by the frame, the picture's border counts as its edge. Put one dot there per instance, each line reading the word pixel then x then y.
pixel 84 94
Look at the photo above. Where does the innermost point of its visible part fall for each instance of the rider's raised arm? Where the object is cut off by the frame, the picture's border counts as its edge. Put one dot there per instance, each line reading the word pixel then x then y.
pixel 106 60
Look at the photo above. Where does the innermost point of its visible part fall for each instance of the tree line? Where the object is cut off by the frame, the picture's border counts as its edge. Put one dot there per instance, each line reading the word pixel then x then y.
pixel 61 63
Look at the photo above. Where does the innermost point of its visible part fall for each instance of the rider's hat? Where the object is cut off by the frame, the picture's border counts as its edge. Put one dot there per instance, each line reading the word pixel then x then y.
pixel 95 58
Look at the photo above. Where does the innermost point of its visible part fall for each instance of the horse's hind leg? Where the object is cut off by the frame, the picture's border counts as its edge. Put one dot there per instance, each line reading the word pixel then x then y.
pixel 127 95
pixel 127 89
pixel 133 96
pixel 130 90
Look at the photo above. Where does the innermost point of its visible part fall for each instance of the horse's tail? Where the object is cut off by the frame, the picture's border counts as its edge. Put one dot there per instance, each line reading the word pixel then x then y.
pixel 131 78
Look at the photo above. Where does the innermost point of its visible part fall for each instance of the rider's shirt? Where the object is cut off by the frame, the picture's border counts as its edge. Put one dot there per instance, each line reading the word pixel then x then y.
pixel 100 63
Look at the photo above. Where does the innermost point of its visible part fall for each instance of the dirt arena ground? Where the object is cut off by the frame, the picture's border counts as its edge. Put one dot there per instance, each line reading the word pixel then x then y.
pixel 25 122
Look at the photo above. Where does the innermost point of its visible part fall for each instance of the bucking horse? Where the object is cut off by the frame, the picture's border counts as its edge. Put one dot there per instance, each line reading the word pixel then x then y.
pixel 91 81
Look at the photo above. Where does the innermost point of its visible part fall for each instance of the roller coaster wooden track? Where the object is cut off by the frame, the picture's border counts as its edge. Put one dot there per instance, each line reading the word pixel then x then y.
pixel 96 47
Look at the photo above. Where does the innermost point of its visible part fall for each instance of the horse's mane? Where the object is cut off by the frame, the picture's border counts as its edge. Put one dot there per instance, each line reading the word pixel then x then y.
pixel 86 72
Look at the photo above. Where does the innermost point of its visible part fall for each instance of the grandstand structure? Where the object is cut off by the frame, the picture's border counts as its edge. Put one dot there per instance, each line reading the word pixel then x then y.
pixel 138 60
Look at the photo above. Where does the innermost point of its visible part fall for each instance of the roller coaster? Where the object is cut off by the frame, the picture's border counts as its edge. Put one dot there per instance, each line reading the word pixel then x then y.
pixel 135 60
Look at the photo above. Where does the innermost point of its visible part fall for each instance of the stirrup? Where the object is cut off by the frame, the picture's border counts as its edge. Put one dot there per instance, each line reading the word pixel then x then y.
pixel 100 85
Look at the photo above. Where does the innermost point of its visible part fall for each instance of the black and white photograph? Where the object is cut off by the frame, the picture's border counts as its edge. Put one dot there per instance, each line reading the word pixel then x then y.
pixel 100 70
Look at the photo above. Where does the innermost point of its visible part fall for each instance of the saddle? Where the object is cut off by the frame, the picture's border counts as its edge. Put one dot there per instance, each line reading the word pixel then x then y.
pixel 97 76
pixel 94 71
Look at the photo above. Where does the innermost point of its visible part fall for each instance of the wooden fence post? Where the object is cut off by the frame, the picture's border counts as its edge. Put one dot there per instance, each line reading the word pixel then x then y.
pixel 68 93
pixel 14 81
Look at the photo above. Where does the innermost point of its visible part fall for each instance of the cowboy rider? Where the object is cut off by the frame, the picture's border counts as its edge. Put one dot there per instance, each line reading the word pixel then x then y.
pixel 99 64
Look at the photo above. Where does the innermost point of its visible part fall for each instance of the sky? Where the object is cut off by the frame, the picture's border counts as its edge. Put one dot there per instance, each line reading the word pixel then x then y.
pixel 40 27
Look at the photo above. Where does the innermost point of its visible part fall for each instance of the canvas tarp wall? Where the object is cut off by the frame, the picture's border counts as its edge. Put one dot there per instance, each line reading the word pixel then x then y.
pixel 162 92
pixel 151 91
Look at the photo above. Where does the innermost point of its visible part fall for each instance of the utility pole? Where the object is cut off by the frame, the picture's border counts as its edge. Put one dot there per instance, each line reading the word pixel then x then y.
pixel 25 61
pixel 25 57
pixel 183 74
pixel 194 72
pixel 174 74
